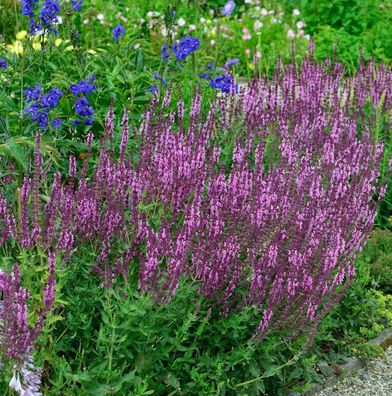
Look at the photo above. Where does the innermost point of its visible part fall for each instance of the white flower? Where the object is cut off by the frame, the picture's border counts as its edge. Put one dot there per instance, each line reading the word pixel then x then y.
pixel 150 14
pixel 164 31
pixel 264 12
pixel 272 12
pixel 192 27
pixel 15 382
pixel 300 33
pixel 85 21
pixel 257 25
pixel 202 20
pixel 181 22
pixel 142 20
pixel 248 1
pixel 307 36
pixel 100 17
pixel 58 21
pixel 136 46
pixel 212 43
pixel 257 8
pixel 290 33
pixel 296 11
pixel 300 25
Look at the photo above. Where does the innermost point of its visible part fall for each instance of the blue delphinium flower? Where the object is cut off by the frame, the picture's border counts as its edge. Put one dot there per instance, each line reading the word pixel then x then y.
pixel 224 83
pixel 118 32
pixel 56 123
pixel 165 52
pixel 3 64
pixel 153 88
pixel 232 62
pixel 32 93
pixel 228 8
pixel 76 5
pixel 41 104
pixel 51 99
pixel 84 87
pixel 49 14
pixel 28 7
pixel 205 76
pixel 183 48
pixel 82 108
pixel 35 27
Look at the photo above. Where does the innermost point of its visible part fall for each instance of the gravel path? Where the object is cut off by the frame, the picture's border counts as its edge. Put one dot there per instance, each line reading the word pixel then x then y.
pixel 374 380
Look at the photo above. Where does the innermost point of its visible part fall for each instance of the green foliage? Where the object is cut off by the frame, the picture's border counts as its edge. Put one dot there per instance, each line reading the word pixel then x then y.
pixel 378 255
pixel 352 25
pixel 120 342
pixel 362 314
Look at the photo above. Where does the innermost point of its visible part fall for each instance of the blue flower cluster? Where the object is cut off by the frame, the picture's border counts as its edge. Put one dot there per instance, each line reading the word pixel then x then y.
pixel 41 104
pixel 3 64
pixel 183 48
pixel 48 15
pixel 228 8
pixel 118 32
pixel 28 7
pixel 49 11
pixel 77 5
pixel 224 83
pixel 82 108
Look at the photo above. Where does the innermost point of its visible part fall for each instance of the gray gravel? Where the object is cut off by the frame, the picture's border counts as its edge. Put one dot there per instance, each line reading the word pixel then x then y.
pixel 374 380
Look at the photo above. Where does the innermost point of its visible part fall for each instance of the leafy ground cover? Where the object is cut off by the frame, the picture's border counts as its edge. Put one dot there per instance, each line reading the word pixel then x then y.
pixel 164 231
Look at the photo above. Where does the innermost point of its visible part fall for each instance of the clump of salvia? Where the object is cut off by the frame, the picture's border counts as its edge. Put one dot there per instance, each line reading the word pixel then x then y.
pixel 264 200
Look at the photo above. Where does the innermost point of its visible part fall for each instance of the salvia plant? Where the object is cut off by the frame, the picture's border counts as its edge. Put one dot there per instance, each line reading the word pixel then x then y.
pixel 265 200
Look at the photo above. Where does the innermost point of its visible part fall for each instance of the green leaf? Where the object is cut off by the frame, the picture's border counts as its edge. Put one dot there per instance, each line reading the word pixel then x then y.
pixel 171 380
pixel 271 371
pixel 139 60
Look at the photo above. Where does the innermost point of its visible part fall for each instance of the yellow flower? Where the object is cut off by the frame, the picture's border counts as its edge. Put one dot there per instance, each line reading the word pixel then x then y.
pixel 251 66
pixel 92 52
pixel 212 33
pixel 38 38
pixel 16 47
pixel 37 46
pixel 69 48
pixel 57 42
pixel 21 35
